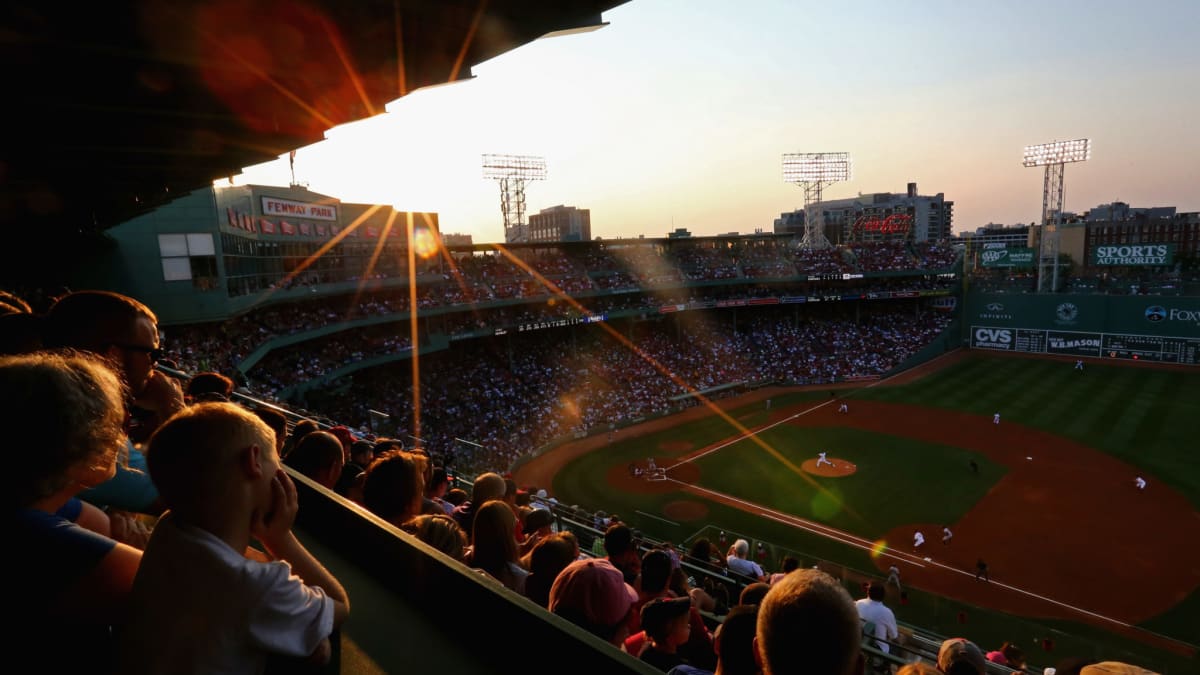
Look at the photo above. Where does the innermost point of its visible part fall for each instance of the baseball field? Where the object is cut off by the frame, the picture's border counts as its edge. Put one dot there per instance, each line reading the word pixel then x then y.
pixel 1081 561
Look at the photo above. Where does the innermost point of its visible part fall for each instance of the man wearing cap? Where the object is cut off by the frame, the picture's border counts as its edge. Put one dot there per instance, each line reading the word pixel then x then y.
pixel 808 624
pixel 593 595
pixel 960 656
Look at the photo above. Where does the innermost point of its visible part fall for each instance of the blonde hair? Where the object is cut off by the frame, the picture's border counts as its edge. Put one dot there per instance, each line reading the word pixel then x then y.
pixel 439 531
pixel 191 457
pixel 808 623
pixel 62 410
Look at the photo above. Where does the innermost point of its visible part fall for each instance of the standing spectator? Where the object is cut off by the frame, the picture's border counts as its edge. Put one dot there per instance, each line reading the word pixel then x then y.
pixel 878 620
pixel 64 415
pixel 221 479
pixel 808 624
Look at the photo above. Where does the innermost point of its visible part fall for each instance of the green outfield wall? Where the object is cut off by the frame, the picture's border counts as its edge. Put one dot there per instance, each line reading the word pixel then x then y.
pixel 1150 328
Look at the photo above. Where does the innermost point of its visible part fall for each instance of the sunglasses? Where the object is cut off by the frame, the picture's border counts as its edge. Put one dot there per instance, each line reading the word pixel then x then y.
pixel 155 353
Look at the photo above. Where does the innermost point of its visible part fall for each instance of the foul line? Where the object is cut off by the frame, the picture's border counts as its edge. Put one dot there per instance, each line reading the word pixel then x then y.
pixel 651 515
pixel 802 413
pixel 846 537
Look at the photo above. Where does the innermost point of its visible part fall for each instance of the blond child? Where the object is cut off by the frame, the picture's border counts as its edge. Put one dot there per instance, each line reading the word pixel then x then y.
pixel 199 604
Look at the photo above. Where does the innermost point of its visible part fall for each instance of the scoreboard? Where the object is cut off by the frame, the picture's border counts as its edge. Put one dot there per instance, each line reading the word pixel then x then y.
pixel 1101 345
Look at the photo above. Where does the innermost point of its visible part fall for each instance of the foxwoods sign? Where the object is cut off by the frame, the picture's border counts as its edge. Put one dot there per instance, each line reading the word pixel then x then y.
pixel 1134 254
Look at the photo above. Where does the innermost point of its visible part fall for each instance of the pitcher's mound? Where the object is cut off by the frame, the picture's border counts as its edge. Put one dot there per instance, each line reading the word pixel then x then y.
pixel 840 468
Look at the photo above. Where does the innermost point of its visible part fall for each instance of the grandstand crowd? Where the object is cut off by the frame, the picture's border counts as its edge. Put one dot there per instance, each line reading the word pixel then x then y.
pixel 141 500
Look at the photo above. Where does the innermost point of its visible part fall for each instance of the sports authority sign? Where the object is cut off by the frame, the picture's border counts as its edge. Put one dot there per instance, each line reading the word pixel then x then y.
pixel 273 206
pixel 1006 257
pixel 1134 254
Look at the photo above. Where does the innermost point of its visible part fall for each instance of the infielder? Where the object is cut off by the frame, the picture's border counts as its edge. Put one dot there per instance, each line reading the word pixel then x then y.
pixel 996 418
pixel 894 577
pixel 947 535
pixel 844 407
pixel 918 539
pixel 1140 483
pixel 822 460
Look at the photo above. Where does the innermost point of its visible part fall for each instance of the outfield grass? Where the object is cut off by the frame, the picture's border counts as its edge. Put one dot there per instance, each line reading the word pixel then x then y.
pixel 1146 417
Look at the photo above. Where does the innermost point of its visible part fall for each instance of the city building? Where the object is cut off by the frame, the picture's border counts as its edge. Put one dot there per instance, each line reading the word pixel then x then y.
pixel 887 216
pixel 560 223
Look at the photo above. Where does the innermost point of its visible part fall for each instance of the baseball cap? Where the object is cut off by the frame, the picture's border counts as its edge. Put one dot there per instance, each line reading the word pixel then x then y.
pixel 657 612
pixel 1114 668
pixel 595 589
pixel 961 649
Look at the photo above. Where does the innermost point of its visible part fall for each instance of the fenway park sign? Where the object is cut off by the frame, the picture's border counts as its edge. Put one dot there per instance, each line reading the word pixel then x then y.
pixel 897 222
pixel 1134 254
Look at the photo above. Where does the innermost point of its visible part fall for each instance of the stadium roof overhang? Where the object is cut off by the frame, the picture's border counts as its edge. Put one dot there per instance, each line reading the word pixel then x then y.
pixel 114 108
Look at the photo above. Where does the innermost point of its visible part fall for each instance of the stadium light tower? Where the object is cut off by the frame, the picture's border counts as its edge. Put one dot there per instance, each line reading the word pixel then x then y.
pixel 1054 156
pixel 815 170
pixel 512 171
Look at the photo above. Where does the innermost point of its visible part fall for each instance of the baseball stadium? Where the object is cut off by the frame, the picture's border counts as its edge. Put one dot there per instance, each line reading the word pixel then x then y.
pixel 994 437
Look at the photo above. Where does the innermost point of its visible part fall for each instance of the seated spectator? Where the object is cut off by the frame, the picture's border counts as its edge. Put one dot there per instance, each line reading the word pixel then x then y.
pixel 960 656
pixel 593 595
pixel 319 457
pixel 456 497
pixel 878 620
pixel 790 564
pixel 667 627
pixel 237 611
pixel 737 562
pixel 622 552
pixel 435 492
pixel 1113 668
pixel 494 545
pixel 488 486
pixel 440 532
pixel 361 455
pixel 208 387
pixel 125 333
pixel 549 556
pixel 299 430
pixel 808 624
pixel 278 423
pixel 753 593
pixel 394 485
pixel 536 526
pixel 734 644
pixel 918 668
pixel 63 416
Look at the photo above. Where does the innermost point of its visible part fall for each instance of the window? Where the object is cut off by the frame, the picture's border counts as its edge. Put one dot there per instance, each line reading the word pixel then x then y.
pixel 189 256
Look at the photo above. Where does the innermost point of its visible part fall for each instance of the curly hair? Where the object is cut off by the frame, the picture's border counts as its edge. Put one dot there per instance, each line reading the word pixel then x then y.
pixel 65 410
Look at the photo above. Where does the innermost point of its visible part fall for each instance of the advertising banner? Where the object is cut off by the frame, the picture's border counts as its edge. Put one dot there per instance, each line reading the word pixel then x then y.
pixel 1006 257
pixel 1133 254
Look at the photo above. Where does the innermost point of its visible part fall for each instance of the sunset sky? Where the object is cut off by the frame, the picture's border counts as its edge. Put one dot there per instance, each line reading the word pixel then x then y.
pixel 676 114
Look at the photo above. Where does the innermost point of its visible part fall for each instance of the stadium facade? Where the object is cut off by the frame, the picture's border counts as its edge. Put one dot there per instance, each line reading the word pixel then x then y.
pixel 880 216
